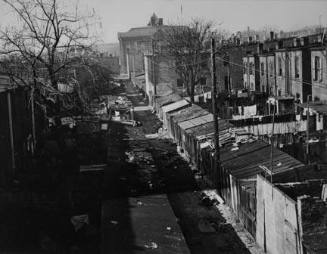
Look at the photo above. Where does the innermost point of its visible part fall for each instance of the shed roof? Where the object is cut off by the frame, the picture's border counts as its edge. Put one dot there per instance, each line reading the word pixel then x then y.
pixel 168 99
pixel 191 112
pixel 245 162
pixel 208 128
pixel 175 105
pixel 196 121
pixel 318 107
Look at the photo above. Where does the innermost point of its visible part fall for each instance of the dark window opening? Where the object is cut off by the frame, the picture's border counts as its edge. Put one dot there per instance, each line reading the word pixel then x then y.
pixel 179 82
pixel 297 67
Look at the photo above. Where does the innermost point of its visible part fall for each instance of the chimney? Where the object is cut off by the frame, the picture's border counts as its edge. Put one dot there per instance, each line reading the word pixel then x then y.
pixel 160 23
pixel 271 35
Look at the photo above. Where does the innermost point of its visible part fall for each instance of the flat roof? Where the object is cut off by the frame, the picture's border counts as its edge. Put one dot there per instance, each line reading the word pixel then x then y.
pixel 245 162
pixel 208 128
pixel 175 105
pixel 168 98
pixel 191 112
pixel 318 107
pixel 196 121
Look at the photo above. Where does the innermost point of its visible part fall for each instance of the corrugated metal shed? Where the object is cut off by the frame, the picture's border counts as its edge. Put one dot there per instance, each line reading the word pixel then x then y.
pixel 188 113
pixel 196 121
pixel 208 128
pixel 174 106
pixel 245 162
pixel 168 99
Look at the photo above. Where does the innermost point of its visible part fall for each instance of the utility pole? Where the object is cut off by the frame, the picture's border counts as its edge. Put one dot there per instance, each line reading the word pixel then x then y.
pixel 308 120
pixel 216 172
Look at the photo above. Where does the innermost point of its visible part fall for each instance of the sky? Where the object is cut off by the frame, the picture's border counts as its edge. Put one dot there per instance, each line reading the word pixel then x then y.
pixel 234 15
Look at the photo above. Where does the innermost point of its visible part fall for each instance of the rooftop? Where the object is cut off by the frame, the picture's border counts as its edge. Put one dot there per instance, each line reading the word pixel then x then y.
pixel 318 107
pixel 247 160
pixel 175 105
pixel 191 112
pixel 168 99
pixel 196 121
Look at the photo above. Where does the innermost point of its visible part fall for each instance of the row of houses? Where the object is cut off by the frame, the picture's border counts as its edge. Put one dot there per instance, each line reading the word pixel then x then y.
pixel 288 67
pixel 285 67
pixel 274 195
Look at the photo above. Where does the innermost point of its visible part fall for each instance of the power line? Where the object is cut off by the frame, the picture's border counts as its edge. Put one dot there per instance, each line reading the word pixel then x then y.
pixel 238 65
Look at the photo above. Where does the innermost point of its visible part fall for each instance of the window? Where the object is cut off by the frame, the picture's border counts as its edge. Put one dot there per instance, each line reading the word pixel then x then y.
pixel 251 68
pixel 279 67
pixel 272 70
pixel 317 69
pixel 203 81
pixel 262 67
pixel 297 67
pixel 244 67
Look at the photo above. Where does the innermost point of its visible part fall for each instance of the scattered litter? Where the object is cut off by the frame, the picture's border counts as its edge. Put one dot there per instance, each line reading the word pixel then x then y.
pixel 168 228
pixel 152 136
pixel 114 222
pixel 86 168
pixel 151 245
pixel 130 156
pixel 279 164
pixel 235 148
pixel 139 203
pixel 79 221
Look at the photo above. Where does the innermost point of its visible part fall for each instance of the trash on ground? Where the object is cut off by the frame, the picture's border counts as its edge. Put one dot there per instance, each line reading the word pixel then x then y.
pixel 114 222
pixel 96 167
pixel 79 221
pixel 151 245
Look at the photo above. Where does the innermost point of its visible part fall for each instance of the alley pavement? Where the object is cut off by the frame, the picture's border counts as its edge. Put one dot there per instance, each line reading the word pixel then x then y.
pixel 151 200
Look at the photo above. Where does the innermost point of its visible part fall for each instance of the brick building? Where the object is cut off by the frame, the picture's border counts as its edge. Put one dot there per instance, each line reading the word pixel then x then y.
pixel 319 73
pixel 251 77
pixel 138 42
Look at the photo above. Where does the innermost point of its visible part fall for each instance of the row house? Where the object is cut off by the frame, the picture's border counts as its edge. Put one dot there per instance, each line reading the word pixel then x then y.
pixel 228 73
pixel 251 77
pixel 293 69
pixel 319 73
pixel 288 67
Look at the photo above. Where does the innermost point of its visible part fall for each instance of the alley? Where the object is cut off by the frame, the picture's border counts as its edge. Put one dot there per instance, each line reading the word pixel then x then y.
pixel 151 199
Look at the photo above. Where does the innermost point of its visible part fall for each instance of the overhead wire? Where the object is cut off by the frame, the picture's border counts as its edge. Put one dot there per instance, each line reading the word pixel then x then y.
pixel 297 80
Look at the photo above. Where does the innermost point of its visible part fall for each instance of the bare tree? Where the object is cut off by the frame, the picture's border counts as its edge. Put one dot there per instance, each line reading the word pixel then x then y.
pixel 43 41
pixel 189 45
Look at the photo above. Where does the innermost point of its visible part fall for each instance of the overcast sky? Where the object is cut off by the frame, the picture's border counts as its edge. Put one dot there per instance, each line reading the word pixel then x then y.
pixel 121 15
